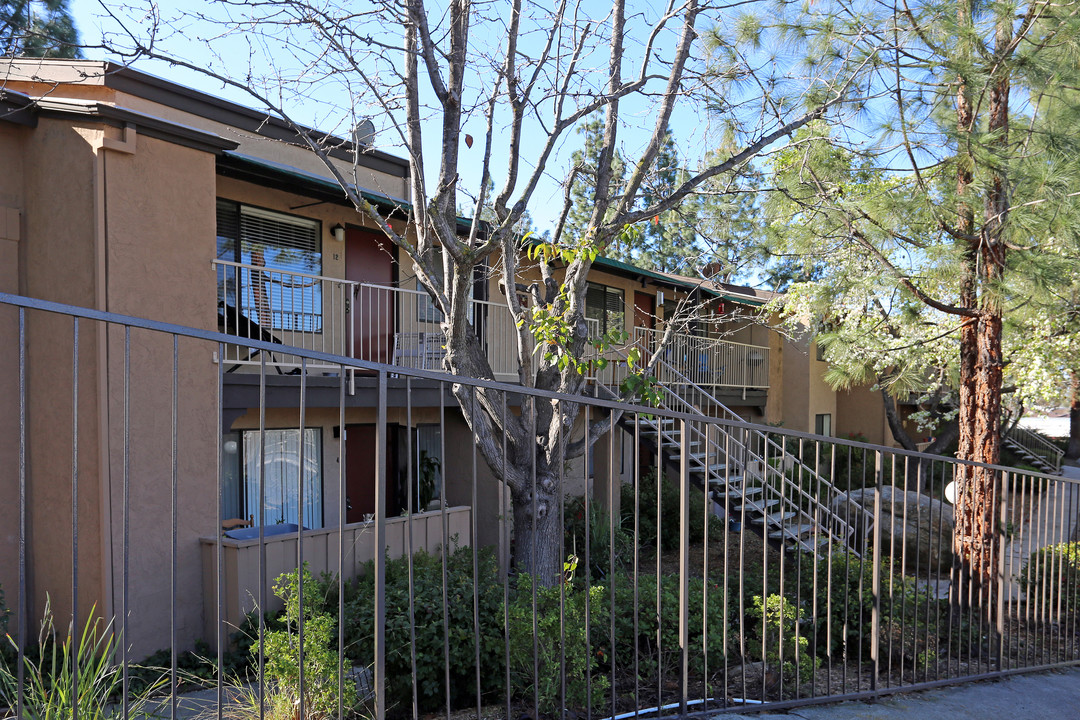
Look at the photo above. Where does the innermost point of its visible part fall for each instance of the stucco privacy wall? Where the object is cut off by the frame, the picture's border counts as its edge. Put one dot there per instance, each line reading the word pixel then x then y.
pixel 11 218
pixel 160 230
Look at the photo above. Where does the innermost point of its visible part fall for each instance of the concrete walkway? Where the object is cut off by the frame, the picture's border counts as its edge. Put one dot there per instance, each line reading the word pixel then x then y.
pixel 1051 695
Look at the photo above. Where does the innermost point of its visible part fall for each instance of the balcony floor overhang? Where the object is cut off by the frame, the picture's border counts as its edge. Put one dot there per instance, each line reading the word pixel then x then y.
pixel 240 392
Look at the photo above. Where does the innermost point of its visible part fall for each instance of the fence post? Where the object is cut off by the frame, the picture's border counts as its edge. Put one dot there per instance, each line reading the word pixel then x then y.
pixel 684 562
pixel 875 569
pixel 1001 583
pixel 380 550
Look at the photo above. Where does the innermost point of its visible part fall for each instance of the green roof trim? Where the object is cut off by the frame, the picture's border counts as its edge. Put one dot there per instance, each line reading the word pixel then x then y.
pixel 248 167
pixel 625 267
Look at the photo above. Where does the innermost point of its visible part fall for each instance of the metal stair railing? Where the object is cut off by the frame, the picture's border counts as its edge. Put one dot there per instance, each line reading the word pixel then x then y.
pixel 770 450
pixel 836 528
pixel 1037 445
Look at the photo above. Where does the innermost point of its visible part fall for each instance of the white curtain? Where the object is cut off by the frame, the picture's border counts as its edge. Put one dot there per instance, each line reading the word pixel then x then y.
pixel 281 476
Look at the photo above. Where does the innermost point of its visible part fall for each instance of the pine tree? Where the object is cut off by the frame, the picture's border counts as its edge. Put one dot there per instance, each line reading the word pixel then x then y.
pixel 42 28
pixel 929 233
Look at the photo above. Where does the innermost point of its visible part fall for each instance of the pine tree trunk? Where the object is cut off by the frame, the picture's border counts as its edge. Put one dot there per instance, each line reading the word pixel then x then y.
pixel 974 542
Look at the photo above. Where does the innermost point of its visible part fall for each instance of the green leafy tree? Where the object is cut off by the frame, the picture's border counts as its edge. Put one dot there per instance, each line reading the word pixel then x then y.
pixel 42 28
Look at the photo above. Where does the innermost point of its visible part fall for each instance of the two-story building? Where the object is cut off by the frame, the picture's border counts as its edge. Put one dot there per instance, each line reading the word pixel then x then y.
pixel 127 193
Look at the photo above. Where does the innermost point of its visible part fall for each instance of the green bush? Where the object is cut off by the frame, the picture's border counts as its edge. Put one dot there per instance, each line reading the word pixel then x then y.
pixel 656 643
pixel 778 625
pixel 561 647
pixel 1054 567
pixel 600 537
pixel 842 621
pixel 283 650
pixel 431 632
pixel 663 514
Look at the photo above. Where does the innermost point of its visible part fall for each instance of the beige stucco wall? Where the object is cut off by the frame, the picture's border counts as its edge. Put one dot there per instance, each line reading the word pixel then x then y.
pixel 795 403
pixel 60 257
pixel 860 411
pixel 822 397
pixel 12 139
pixel 159 242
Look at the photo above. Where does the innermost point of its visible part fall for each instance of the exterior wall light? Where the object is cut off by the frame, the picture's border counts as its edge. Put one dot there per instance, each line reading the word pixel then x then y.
pixel 338 231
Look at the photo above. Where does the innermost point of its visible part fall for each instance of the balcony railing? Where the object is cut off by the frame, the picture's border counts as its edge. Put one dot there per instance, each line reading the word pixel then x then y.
pixel 291 308
pixel 707 362
pixel 399 326
pixel 402 327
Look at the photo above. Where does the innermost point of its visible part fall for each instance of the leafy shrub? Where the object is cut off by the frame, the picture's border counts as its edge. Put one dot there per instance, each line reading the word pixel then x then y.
pixel 431 632
pixel 777 624
pixel 663 514
pixel 656 657
pixel 600 536
pixel 318 648
pixel 1054 567
pixel 561 644
pixel 844 607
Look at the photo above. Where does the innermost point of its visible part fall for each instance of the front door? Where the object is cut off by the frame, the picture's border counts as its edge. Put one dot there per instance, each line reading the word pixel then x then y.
pixel 645 315
pixel 360 471
pixel 369 260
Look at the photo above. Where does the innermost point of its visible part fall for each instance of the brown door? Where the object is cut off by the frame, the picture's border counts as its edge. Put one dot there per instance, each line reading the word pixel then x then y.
pixel 360 472
pixel 645 314
pixel 369 260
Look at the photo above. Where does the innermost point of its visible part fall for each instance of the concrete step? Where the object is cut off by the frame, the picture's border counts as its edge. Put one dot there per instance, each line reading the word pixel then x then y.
pixel 735 494
pixel 778 517
pixel 795 532
pixel 759 506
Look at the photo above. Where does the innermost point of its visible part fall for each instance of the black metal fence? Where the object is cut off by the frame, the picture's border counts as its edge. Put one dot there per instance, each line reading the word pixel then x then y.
pixel 709 564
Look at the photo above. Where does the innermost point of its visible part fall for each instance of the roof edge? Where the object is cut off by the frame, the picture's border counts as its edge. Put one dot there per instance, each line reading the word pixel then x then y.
pixel 126 79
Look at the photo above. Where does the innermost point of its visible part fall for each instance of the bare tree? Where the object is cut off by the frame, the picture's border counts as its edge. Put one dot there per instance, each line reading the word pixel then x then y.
pixel 528 74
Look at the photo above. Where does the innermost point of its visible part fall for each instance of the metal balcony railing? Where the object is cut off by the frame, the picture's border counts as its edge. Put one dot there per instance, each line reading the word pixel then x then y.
pixel 293 309
pixel 707 362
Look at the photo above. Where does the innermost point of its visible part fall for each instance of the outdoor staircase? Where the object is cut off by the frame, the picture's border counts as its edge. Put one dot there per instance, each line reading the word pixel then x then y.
pixel 1035 449
pixel 748 475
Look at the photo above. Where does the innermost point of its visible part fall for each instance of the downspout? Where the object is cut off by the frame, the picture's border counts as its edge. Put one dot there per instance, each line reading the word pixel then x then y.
pixel 126 146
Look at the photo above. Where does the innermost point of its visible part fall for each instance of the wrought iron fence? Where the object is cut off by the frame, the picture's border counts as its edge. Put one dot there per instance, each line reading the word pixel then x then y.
pixel 693 582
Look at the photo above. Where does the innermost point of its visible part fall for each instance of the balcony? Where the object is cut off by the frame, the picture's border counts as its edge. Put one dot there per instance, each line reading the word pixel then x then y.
pixel 293 309
pixel 706 362
pixel 399 326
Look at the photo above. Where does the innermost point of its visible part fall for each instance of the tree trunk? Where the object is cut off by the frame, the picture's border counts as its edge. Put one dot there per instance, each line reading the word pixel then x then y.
pixel 538 535
pixel 1073 451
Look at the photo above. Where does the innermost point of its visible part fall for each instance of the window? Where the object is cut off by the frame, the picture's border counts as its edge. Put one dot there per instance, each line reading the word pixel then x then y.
pixel 823 424
pixel 281 296
pixel 428 471
pixel 281 476
pixel 605 307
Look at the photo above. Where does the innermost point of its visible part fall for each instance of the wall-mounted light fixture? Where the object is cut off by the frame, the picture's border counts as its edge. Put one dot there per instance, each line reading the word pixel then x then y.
pixel 660 297
pixel 338 231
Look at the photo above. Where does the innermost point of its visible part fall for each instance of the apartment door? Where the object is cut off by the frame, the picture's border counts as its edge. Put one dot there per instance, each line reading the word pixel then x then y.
pixel 645 315
pixel 369 260
pixel 360 469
